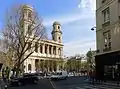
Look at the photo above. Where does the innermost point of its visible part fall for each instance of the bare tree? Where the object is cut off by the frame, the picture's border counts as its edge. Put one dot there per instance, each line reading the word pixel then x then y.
pixel 23 32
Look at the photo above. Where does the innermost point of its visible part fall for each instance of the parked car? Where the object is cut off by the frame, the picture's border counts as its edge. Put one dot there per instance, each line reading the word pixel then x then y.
pixel 71 74
pixel 29 78
pixel 59 75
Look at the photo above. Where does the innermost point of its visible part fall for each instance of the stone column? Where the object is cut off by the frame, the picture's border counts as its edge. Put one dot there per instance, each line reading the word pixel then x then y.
pixel 58 65
pixel 48 66
pixel 43 48
pixel 61 52
pixel 51 50
pixel 33 65
pixel 38 48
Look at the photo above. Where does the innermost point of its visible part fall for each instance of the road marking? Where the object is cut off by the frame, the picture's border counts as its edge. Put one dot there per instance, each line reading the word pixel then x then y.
pixel 79 88
pixel 52 84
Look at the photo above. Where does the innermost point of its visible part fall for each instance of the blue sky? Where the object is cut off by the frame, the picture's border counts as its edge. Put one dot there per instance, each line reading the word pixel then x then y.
pixel 77 17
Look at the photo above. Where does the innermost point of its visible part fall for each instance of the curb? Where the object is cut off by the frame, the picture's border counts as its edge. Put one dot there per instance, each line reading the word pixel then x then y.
pixel 111 84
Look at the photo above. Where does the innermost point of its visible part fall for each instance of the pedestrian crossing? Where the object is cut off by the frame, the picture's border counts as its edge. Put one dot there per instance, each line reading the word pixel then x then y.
pixel 90 86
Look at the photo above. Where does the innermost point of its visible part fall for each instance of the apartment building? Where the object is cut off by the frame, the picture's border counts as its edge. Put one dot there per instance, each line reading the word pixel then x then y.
pixel 107 38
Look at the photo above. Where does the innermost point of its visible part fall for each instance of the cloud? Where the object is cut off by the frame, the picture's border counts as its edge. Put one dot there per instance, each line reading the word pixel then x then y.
pixel 87 4
pixel 79 46
pixel 86 10
pixel 65 19
pixel 76 27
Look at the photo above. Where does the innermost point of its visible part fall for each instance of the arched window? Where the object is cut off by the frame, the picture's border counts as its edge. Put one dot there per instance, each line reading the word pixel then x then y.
pixel 46 49
pixel 58 27
pixel 29 67
pixel 50 47
pixel 59 39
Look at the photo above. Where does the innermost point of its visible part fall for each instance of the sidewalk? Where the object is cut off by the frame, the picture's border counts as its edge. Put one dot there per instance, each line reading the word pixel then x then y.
pixel 109 83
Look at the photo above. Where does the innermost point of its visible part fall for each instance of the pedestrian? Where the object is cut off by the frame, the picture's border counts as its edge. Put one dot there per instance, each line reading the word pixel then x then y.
pixel 90 75
pixel 93 76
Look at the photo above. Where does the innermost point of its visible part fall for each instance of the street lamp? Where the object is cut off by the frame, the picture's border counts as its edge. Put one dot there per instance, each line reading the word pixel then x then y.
pixel 93 28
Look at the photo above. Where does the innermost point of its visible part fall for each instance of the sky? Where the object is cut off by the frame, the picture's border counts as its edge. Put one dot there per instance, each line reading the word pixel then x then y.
pixel 77 17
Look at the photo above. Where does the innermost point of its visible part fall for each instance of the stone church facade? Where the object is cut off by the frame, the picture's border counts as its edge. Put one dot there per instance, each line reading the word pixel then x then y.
pixel 49 54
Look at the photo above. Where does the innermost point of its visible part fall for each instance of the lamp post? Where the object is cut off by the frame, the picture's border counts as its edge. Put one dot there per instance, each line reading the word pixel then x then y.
pixel 93 28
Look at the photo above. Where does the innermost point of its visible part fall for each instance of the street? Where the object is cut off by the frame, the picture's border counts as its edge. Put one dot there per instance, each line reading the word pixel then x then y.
pixel 70 83
pixel 43 84
pixel 78 83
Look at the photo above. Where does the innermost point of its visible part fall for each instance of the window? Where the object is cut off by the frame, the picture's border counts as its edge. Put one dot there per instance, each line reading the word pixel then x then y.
pixel 41 48
pixel 59 39
pixel 29 67
pixel 46 49
pixel 107 39
pixel 36 46
pixel 58 27
pixel 106 15
pixel 29 30
pixel 50 49
pixel 30 15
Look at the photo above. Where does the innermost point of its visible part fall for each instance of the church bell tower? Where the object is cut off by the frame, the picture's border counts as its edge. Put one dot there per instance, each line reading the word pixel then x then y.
pixel 57 33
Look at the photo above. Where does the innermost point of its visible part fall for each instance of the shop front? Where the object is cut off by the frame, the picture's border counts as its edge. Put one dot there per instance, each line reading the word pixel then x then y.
pixel 108 65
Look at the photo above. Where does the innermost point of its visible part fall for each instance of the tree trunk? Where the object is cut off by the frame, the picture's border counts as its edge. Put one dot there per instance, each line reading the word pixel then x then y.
pixel 17 70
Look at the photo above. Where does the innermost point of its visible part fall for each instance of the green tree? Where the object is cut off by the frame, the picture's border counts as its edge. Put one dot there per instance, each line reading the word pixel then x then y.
pixel 91 59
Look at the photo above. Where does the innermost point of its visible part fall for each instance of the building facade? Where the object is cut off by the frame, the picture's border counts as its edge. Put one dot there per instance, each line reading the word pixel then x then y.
pixel 48 54
pixel 107 37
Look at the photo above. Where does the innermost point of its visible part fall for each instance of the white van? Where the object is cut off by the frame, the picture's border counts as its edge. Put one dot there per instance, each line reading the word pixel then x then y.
pixel 59 75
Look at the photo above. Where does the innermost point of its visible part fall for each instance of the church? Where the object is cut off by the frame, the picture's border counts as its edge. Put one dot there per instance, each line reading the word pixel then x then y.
pixel 49 54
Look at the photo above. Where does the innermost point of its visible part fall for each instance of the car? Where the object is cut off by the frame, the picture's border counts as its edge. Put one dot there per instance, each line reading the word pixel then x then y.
pixel 29 78
pixel 60 75
pixel 70 74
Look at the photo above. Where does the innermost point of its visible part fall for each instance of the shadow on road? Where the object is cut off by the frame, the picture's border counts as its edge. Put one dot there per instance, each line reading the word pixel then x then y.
pixel 43 84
